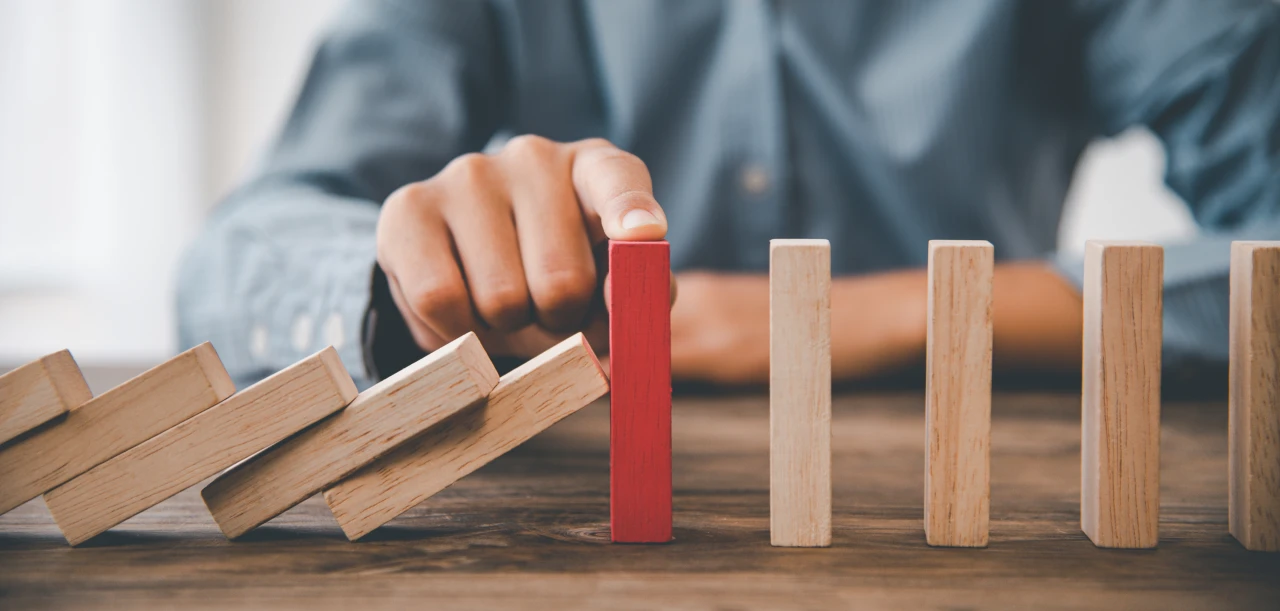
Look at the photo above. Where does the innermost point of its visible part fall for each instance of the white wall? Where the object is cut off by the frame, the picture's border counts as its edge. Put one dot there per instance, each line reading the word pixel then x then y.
pixel 260 50
pixel 101 164
pixel 133 116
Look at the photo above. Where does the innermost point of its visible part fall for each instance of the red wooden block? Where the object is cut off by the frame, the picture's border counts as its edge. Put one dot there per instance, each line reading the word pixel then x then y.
pixel 640 387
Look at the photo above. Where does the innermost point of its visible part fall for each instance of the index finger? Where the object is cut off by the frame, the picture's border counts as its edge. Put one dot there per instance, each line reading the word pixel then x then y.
pixel 614 187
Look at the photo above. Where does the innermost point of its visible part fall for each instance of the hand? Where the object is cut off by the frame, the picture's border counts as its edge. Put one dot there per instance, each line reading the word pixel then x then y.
pixel 720 328
pixel 506 244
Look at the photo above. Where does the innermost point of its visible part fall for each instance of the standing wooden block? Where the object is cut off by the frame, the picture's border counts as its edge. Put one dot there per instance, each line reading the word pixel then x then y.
pixel 380 418
pixel 525 402
pixel 156 469
pixel 111 423
pixel 1120 440
pixel 38 392
pixel 800 393
pixel 1254 429
pixel 957 394
pixel 640 403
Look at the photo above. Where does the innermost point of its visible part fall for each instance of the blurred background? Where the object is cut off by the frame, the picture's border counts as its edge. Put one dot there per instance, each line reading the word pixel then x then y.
pixel 122 122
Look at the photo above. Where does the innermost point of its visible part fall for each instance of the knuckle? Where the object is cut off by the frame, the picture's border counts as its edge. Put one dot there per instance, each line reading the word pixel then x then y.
pixel 595 143
pixel 434 301
pixel 505 307
pixel 404 213
pixel 565 289
pixel 468 170
pixel 411 196
pixel 529 146
pixel 617 156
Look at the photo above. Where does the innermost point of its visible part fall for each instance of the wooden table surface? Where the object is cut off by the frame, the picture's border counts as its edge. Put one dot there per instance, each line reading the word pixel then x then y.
pixel 531 530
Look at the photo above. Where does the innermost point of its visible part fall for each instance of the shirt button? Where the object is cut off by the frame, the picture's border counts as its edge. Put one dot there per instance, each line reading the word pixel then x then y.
pixel 258 342
pixel 755 180
pixel 333 331
pixel 301 332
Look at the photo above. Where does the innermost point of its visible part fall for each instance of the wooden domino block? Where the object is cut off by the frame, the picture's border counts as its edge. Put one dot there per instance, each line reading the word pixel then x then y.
pixel 200 447
pixel 111 423
pixel 38 392
pixel 640 400
pixel 380 418
pixel 958 394
pixel 1120 440
pixel 800 393
pixel 1254 429
pixel 525 402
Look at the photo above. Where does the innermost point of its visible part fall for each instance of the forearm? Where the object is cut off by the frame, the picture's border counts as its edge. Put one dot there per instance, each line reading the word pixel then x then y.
pixel 879 321
pixel 720 324
pixel 1037 317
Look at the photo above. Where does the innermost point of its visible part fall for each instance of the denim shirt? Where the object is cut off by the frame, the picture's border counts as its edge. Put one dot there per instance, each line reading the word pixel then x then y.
pixel 876 125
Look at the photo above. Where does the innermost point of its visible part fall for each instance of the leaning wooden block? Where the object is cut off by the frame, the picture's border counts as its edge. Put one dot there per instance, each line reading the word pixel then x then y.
pixel 111 423
pixel 640 403
pixel 800 393
pixel 958 394
pixel 526 401
pixel 1120 440
pixel 380 418
pixel 1254 429
pixel 38 392
pixel 215 439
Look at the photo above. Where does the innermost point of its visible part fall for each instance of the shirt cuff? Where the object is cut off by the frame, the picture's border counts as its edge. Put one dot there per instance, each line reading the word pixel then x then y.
pixel 278 283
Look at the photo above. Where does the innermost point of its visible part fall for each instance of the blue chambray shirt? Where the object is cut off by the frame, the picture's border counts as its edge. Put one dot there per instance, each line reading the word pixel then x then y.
pixel 876 125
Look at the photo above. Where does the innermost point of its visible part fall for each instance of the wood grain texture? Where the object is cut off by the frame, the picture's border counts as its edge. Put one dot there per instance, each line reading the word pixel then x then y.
pixel 531 529
pixel 1254 405
pixel 800 393
pixel 111 423
pixel 526 401
pixel 380 418
pixel 38 392
pixel 1120 415
pixel 198 448
pixel 640 397
pixel 957 395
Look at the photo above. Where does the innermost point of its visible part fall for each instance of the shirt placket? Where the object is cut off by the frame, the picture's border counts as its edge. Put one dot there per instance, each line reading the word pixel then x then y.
pixel 755 137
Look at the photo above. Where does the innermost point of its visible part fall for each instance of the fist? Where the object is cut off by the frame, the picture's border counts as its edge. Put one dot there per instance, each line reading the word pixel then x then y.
pixel 506 244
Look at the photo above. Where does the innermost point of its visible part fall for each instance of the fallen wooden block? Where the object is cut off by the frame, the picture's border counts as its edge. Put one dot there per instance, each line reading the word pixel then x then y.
pixel 800 393
pixel 215 439
pixel 1254 429
pixel 1120 440
pixel 958 394
pixel 391 412
pixel 525 402
pixel 38 392
pixel 111 423
pixel 640 399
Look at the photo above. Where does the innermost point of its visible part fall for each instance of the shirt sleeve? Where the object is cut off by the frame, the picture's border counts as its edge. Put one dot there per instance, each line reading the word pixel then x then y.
pixel 1205 78
pixel 284 267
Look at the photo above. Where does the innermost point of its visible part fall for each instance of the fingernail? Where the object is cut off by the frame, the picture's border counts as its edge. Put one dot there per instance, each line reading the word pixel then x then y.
pixel 639 218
